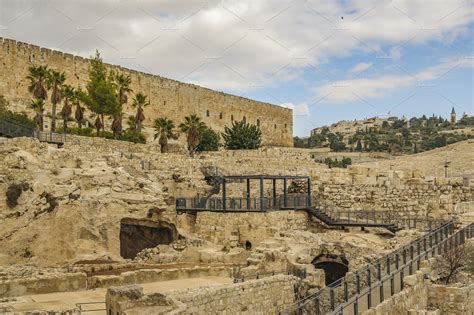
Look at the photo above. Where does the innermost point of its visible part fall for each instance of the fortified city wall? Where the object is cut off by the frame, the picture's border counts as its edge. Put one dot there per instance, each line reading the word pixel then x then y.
pixel 169 98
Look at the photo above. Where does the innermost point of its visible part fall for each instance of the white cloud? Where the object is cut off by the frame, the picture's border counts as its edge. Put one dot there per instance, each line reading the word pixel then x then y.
pixel 230 44
pixel 343 91
pixel 301 109
pixel 361 67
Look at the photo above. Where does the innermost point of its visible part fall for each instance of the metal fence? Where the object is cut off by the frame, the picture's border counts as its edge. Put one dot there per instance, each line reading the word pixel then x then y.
pixel 359 290
pixel 383 217
pixel 235 204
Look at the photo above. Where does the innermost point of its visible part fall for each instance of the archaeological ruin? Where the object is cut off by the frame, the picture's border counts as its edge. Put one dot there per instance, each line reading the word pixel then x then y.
pixel 91 225
pixel 101 226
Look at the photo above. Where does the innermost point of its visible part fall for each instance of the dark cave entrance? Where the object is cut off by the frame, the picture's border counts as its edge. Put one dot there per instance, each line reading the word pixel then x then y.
pixel 335 267
pixel 248 245
pixel 136 235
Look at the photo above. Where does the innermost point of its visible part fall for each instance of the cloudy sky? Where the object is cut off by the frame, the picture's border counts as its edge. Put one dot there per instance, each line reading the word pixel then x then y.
pixel 328 60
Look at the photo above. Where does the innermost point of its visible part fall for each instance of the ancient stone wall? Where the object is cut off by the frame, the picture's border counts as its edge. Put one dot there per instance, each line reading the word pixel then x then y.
pixel 264 296
pixel 236 229
pixel 169 98
pixel 452 300
pixel 40 284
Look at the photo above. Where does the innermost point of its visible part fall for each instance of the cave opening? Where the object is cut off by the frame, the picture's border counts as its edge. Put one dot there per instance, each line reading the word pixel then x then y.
pixel 136 235
pixel 335 267
pixel 248 245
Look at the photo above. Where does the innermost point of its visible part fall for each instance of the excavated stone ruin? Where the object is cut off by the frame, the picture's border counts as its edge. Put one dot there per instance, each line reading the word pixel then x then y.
pixel 136 235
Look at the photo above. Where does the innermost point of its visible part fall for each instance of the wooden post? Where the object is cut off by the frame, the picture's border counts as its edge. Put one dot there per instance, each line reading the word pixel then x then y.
pixel 262 206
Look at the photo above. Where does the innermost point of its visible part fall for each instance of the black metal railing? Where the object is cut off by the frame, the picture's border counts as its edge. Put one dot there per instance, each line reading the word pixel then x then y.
pixel 383 217
pixel 350 288
pixel 233 204
pixel 14 129
pixel 390 281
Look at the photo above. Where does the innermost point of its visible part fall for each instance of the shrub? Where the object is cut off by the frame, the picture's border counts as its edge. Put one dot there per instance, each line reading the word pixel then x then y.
pixel 17 118
pixel 209 141
pixel 132 136
pixel 336 163
pixel 242 136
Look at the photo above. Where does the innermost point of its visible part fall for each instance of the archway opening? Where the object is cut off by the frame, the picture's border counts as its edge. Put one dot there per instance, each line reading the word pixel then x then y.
pixel 136 235
pixel 248 245
pixel 335 267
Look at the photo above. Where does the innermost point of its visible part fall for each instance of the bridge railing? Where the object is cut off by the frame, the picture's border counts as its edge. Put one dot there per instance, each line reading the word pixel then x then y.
pixel 390 281
pixel 292 201
pixel 14 129
pixel 379 216
pixel 345 289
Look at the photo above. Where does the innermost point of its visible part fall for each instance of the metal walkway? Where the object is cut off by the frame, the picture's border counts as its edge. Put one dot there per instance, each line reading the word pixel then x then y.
pixel 13 129
pixel 277 202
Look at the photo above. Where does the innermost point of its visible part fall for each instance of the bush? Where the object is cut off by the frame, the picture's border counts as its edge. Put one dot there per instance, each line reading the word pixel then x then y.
pixel 17 118
pixel 132 136
pixel 87 132
pixel 242 136
pixel 209 141
pixel 335 163
pixel 14 192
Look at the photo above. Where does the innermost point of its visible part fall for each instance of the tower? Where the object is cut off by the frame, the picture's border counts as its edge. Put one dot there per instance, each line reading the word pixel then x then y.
pixel 453 116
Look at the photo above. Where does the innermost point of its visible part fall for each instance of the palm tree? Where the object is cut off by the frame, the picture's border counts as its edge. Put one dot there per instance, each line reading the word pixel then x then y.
pixel 123 82
pixel 117 125
pixel 38 106
pixel 98 124
pixel 194 127
pixel 55 81
pixel 132 123
pixel 68 93
pixel 164 129
pixel 139 101
pixel 38 77
pixel 79 113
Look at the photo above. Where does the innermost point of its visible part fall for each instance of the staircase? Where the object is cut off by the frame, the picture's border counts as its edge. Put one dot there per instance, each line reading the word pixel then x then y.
pixel 331 222
pixel 13 129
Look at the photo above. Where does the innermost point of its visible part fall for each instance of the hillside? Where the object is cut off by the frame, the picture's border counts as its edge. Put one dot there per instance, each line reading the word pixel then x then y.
pixel 460 156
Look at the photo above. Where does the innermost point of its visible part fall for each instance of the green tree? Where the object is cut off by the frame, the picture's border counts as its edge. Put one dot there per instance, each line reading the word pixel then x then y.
pixel 79 112
pixel 38 77
pixel 68 93
pixel 164 130
pixel 132 123
pixel 123 82
pixel 116 125
pixel 98 125
pixel 193 127
pixel 209 141
pixel 55 81
pixel 139 102
pixel 38 106
pixel 242 136
pixel 101 97
pixel 359 146
pixel 299 142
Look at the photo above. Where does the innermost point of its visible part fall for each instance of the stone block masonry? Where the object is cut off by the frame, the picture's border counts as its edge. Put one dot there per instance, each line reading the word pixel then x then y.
pixel 264 296
pixel 169 98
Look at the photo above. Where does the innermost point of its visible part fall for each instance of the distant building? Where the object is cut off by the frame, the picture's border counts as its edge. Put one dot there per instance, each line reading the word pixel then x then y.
pixel 453 116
